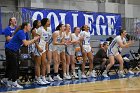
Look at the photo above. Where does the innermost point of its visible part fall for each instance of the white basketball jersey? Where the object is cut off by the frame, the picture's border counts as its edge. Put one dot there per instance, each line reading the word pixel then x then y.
pixel 86 36
pixel 114 44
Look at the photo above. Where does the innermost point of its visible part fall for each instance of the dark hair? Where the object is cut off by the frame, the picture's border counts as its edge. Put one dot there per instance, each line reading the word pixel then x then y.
pixel 21 27
pixel 59 26
pixel 44 21
pixel 10 20
pixel 24 24
pixel 121 31
pixel 75 29
pixel 35 23
pixel 105 43
pixel 83 28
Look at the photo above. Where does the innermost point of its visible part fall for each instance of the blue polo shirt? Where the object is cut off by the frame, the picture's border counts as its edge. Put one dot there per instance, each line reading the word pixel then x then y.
pixel 8 31
pixel 16 42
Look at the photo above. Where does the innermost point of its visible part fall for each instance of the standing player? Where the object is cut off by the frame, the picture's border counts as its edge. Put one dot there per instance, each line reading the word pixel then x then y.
pixel 114 51
pixel 36 25
pixel 76 44
pixel 40 53
pixel 86 51
pixel 49 52
pixel 69 48
pixel 59 51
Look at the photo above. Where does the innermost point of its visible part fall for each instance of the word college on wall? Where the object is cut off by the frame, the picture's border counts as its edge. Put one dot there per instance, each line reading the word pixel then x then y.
pixel 99 23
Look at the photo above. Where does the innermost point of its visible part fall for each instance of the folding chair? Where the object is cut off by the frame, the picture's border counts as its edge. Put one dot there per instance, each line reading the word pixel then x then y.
pixel 2 66
pixel 97 67
pixel 136 59
pixel 26 69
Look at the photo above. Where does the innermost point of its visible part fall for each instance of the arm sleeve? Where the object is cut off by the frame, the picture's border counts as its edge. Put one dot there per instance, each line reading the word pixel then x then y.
pixel 27 36
pixel 22 35
pixel 118 39
pixel 7 32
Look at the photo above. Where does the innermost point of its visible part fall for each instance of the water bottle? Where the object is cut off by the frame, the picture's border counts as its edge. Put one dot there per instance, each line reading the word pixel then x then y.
pixel 79 74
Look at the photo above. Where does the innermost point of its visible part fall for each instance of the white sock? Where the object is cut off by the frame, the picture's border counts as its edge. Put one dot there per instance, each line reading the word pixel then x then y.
pixel 43 77
pixel 105 71
pixel 38 78
pixel 121 72
pixel 64 74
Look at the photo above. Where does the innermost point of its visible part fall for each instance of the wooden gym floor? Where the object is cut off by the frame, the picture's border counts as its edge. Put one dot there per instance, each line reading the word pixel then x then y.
pixel 129 84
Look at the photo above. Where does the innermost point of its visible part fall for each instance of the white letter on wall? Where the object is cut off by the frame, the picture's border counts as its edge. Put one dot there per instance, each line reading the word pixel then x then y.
pixel 56 22
pixel 62 15
pixel 111 22
pixel 34 17
pixel 75 20
pixel 88 20
pixel 98 25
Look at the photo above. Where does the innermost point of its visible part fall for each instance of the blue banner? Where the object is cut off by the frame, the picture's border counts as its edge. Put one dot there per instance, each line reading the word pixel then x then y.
pixel 0 23
pixel 99 23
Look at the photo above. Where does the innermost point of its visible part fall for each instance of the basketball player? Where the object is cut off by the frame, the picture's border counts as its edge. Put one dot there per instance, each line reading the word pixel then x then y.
pixel 114 51
pixel 36 25
pixel 76 44
pixel 86 51
pixel 40 53
pixel 59 51
pixel 69 48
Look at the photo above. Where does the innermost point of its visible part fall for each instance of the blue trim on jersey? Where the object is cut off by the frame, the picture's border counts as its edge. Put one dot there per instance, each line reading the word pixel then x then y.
pixel 50 41
pixel 111 46
pixel 66 50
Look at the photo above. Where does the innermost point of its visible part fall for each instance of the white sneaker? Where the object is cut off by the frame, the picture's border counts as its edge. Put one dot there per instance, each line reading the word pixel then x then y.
pixel 105 74
pixel 69 76
pixel 137 73
pixel 75 75
pixel 58 78
pixel 9 83
pixel 45 81
pixel 120 74
pixel 16 85
pixel 6 82
pixel 131 72
pixel 84 76
pixel 40 82
pixel 126 59
pixel 50 79
pixel 92 74
pixel 66 77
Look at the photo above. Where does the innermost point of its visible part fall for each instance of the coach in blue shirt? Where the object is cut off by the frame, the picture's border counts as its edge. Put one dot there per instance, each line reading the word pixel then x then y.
pixel 12 48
